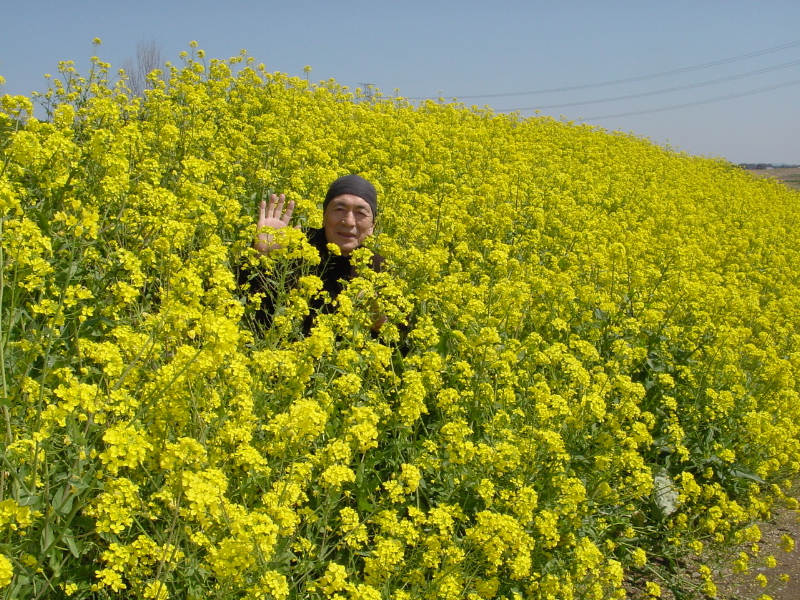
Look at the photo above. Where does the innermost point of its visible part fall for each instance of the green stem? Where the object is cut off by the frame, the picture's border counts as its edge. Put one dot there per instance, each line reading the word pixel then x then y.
pixel 3 340
pixel 170 538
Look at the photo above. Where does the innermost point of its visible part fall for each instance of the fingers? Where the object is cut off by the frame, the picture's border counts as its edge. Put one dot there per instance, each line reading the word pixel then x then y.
pixel 275 209
pixel 289 211
pixel 272 217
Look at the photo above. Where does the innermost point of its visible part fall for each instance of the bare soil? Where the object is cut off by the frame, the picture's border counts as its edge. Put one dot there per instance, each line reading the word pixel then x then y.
pixel 782 581
pixel 745 586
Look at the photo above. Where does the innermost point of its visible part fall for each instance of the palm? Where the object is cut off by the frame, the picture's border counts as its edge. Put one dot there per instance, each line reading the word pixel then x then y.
pixel 271 222
pixel 272 217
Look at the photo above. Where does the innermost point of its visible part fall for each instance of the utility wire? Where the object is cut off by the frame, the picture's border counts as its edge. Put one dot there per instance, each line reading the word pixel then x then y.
pixel 627 80
pixel 661 91
pixel 697 103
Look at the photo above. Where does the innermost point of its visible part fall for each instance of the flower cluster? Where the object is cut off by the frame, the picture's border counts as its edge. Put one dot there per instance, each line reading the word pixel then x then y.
pixel 588 366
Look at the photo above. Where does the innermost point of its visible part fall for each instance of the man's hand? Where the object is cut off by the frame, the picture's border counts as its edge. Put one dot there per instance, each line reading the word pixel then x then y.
pixel 271 216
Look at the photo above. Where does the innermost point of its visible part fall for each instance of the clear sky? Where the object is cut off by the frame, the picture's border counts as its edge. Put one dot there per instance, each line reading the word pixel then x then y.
pixel 481 52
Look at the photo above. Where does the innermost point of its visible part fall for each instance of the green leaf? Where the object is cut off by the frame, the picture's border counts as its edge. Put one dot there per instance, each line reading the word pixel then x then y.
pixel 70 540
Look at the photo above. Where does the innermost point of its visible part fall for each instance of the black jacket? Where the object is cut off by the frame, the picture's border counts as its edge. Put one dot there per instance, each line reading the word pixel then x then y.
pixel 333 270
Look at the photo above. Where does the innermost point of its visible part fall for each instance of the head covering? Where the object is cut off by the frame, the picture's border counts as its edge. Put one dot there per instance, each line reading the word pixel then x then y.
pixel 355 185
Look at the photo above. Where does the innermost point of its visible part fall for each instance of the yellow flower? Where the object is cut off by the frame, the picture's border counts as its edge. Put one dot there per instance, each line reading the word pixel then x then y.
pixel 335 476
pixel 653 589
pixel 335 579
pixel 639 557
pixel 6 572
pixel 770 562
pixel 585 328
pixel 70 589
pixel 115 508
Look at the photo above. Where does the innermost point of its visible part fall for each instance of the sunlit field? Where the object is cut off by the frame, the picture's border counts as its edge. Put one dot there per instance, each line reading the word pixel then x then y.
pixel 587 376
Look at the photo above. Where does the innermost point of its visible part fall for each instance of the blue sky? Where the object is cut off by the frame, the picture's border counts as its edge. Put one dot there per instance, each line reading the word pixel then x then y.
pixel 488 52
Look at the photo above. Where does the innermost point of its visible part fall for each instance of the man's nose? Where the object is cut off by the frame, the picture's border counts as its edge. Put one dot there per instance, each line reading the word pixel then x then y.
pixel 349 218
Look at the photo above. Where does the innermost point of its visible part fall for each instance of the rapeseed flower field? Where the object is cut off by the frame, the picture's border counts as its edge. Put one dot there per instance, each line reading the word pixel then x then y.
pixel 588 372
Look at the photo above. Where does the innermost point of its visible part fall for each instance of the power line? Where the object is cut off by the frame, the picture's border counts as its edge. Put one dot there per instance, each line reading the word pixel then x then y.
pixel 688 104
pixel 629 79
pixel 661 91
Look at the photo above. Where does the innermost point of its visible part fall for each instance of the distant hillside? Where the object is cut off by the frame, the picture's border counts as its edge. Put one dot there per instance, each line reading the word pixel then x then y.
pixel 759 166
pixel 787 174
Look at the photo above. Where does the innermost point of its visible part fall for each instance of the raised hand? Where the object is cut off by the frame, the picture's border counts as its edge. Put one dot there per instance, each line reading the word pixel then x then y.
pixel 271 216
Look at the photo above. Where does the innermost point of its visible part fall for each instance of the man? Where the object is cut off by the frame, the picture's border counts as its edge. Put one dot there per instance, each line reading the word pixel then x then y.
pixel 348 218
pixel 348 215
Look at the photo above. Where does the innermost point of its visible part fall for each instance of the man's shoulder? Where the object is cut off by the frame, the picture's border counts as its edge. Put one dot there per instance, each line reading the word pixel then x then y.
pixel 316 236
pixel 377 262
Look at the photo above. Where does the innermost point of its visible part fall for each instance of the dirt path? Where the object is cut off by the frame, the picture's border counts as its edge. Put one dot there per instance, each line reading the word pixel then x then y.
pixel 778 582
pixel 744 586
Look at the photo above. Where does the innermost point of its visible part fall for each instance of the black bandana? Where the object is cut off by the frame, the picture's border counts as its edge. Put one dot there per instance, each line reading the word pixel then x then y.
pixel 355 185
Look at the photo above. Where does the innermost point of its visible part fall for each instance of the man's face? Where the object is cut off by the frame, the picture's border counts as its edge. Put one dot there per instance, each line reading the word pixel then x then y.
pixel 348 221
